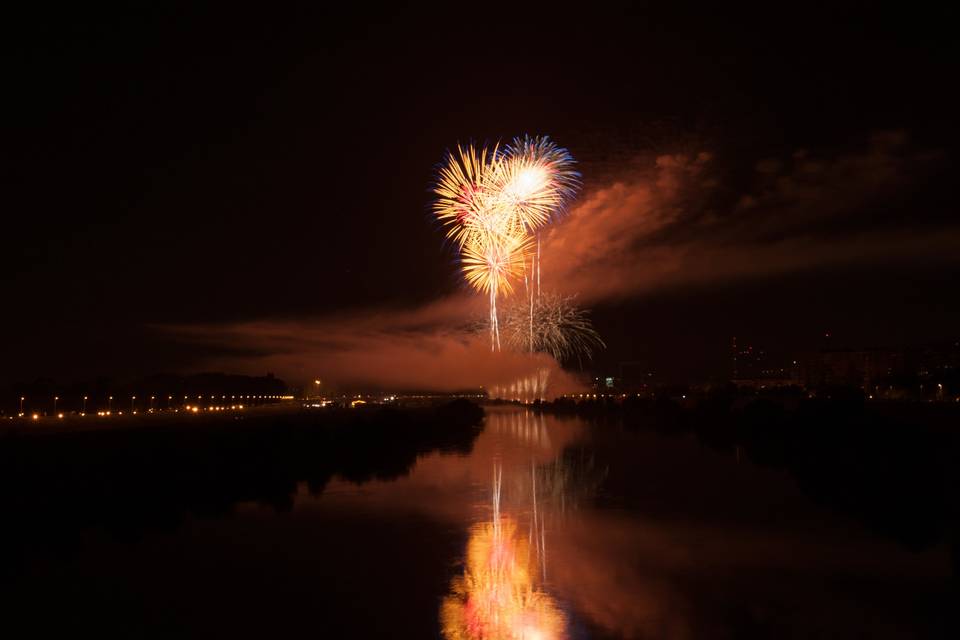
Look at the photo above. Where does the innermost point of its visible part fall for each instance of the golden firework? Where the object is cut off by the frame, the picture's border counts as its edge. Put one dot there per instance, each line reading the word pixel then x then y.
pixel 493 203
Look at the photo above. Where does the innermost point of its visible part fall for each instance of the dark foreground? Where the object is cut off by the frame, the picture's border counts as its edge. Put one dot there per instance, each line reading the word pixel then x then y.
pixel 590 521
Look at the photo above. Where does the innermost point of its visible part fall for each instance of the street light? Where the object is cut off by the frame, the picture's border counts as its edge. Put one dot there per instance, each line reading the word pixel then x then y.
pixel 55 398
pixel 132 399
pixel 84 404
pixel 317 382
pixel 21 404
pixel 110 404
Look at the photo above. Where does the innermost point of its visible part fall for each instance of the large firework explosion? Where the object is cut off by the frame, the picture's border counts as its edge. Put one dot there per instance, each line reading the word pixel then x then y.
pixel 494 204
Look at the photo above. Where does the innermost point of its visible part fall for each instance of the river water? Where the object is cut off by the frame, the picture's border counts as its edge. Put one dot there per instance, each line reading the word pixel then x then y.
pixel 548 528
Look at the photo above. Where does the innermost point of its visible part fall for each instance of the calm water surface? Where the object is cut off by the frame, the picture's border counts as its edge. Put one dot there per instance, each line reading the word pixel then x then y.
pixel 549 528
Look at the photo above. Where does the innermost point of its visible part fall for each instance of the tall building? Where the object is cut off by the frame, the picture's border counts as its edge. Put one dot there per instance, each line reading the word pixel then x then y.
pixel 863 368
pixel 752 367
pixel 746 362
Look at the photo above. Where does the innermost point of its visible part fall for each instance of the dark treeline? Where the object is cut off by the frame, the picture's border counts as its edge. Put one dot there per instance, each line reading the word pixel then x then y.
pixel 132 480
pixel 160 391
pixel 891 465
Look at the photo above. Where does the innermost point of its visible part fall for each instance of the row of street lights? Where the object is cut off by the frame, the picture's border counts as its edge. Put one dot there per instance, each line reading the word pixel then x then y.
pixel 133 401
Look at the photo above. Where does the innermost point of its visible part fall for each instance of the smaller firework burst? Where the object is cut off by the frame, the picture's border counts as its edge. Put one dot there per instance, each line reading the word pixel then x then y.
pixel 553 324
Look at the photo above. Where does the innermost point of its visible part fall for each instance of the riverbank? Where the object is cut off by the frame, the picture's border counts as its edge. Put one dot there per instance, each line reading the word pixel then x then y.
pixel 152 474
pixel 892 465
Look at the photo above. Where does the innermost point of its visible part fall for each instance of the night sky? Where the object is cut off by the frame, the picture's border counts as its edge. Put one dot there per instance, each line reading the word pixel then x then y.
pixel 173 178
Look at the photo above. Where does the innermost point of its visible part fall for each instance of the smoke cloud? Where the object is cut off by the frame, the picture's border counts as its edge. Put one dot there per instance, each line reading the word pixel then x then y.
pixel 430 348
pixel 674 222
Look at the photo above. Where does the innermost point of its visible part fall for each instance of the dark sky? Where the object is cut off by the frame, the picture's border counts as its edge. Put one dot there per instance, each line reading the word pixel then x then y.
pixel 186 166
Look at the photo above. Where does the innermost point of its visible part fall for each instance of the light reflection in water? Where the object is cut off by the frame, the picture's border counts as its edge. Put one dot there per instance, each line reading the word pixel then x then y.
pixel 524 426
pixel 679 547
pixel 502 593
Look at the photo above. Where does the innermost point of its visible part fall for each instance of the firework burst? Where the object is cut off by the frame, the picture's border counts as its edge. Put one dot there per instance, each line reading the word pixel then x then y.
pixel 553 324
pixel 494 203
pixel 491 262
pixel 536 179
pixel 464 200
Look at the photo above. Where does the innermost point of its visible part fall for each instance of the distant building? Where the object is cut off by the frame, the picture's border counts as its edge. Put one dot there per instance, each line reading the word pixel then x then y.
pixel 746 362
pixel 632 377
pixel 750 367
pixel 863 368
pixel 935 361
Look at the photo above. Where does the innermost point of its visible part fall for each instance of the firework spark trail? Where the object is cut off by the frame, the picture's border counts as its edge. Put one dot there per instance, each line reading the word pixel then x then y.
pixel 490 263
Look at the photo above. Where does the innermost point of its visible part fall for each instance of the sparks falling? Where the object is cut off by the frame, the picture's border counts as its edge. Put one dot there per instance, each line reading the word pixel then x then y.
pixel 552 324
